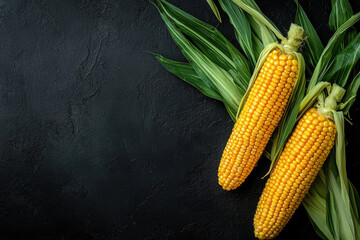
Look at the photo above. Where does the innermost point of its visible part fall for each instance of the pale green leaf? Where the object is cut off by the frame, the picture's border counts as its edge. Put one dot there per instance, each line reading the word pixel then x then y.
pixel 351 93
pixel 186 72
pixel 341 11
pixel 208 39
pixel 355 207
pixel 214 9
pixel 222 80
pixel 315 205
pixel 330 51
pixel 342 221
pixel 344 63
pixel 265 29
pixel 314 47
pixel 341 156
pixel 242 27
pixel 312 97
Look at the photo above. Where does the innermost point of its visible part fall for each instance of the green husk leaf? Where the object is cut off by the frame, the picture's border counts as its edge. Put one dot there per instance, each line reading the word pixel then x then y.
pixel 355 200
pixel 351 93
pixel 242 28
pixel 340 13
pixel 240 79
pixel 315 205
pixel 314 47
pixel 265 29
pixel 252 4
pixel 317 222
pixel 214 9
pixel 258 46
pixel 209 40
pixel 344 62
pixel 186 72
pixel 317 229
pixel 332 47
pixel 341 156
pixel 331 216
pixel 339 213
pixel 261 32
pixel 231 111
pixel 312 97
pixel 355 207
pixel 221 79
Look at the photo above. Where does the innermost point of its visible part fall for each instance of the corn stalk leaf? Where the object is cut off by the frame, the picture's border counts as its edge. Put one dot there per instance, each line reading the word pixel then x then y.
pixel 342 214
pixel 314 47
pixel 327 57
pixel 242 28
pixel 355 201
pixel 351 93
pixel 315 205
pixel 344 63
pixel 263 27
pixel 340 156
pixel 341 219
pixel 205 68
pixel 341 11
pixel 186 72
pixel 210 41
pixel 214 9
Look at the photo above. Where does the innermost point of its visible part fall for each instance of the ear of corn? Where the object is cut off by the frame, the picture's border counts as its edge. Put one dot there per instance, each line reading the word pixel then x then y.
pixel 297 167
pixel 262 110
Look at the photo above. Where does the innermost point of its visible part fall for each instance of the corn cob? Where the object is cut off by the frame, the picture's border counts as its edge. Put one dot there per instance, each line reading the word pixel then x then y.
pixel 297 167
pixel 260 115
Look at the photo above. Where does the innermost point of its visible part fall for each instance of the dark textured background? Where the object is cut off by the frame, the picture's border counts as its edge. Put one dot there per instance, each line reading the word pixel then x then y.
pixel 98 141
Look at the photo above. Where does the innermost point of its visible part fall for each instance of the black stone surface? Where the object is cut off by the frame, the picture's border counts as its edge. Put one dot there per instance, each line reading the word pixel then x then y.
pixel 99 141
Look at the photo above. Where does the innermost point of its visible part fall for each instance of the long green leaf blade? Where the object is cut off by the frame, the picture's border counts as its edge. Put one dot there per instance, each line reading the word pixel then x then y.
pixel 242 27
pixel 351 93
pixel 329 51
pixel 344 63
pixel 265 27
pixel 314 47
pixel 341 156
pixel 186 72
pixel 339 213
pixel 340 13
pixel 223 82
pixel 355 207
pixel 210 41
pixel 214 9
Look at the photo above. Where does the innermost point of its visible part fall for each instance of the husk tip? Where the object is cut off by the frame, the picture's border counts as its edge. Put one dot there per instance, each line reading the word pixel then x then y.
pixel 295 38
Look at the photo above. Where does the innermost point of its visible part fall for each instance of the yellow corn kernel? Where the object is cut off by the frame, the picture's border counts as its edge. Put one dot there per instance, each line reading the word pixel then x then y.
pixel 296 175
pixel 261 113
